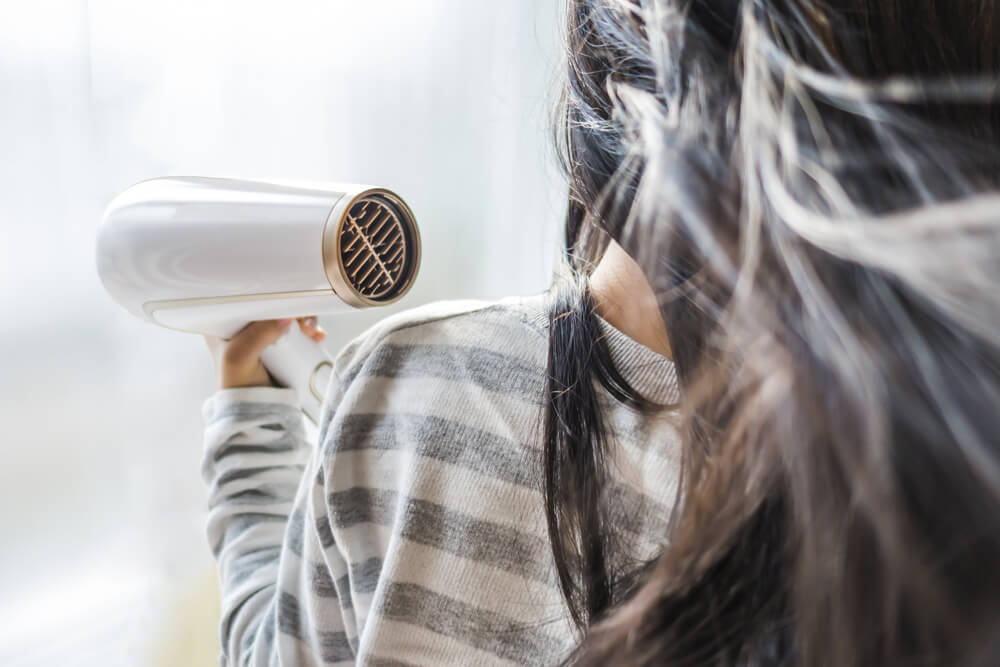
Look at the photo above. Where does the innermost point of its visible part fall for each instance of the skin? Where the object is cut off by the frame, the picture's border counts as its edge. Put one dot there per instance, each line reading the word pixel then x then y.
pixel 237 360
pixel 626 300
pixel 623 296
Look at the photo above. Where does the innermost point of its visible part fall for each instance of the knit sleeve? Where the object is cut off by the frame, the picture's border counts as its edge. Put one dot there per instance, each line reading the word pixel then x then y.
pixel 301 562
pixel 277 567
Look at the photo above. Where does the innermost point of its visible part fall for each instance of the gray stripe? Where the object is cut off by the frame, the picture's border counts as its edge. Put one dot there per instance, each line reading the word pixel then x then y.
pixel 437 526
pixel 485 630
pixel 241 523
pixel 635 512
pixel 265 494
pixel 272 427
pixel 244 565
pixel 244 473
pixel 363 578
pixel 249 410
pixel 280 446
pixel 323 586
pixel 271 625
pixel 295 532
pixel 263 624
pixel 433 437
pixel 334 646
pixel 289 617
pixel 250 635
pixel 324 532
pixel 290 423
pixel 322 582
pixel 487 369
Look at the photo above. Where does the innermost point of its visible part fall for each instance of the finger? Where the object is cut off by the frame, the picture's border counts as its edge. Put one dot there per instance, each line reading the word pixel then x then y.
pixel 213 343
pixel 308 325
pixel 310 328
pixel 251 341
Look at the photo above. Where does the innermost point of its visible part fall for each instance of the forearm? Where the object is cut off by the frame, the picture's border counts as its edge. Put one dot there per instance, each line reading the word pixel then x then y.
pixel 255 455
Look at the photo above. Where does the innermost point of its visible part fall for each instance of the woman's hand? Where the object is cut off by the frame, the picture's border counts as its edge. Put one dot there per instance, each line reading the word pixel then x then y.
pixel 237 360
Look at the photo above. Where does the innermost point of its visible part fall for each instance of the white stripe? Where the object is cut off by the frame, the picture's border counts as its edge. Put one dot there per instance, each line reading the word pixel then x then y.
pixel 257 536
pixel 493 334
pixel 363 604
pixel 412 644
pixel 299 649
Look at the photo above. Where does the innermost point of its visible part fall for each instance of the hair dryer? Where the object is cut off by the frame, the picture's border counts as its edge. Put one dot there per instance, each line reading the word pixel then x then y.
pixel 209 255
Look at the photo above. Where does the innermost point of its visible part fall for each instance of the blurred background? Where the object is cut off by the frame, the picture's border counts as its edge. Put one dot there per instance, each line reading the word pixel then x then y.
pixel 104 559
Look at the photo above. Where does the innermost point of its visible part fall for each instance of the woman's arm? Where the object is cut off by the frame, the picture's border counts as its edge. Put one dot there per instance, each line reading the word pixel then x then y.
pixel 278 606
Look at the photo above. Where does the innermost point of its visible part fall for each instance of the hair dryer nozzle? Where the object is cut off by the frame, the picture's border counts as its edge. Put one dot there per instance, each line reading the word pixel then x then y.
pixel 371 249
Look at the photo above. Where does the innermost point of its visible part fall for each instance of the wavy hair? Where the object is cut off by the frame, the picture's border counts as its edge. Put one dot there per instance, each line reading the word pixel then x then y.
pixel 812 188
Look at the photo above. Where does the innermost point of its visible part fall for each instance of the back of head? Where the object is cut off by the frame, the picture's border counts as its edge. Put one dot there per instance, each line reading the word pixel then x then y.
pixel 813 189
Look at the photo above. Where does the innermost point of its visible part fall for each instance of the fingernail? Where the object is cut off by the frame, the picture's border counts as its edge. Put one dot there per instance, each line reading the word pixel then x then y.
pixel 311 321
pixel 284 323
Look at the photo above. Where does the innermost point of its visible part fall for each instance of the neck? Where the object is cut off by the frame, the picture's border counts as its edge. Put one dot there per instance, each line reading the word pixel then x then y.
pixel 626 300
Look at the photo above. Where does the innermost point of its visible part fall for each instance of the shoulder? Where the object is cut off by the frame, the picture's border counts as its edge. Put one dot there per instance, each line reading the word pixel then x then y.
pixel 513 328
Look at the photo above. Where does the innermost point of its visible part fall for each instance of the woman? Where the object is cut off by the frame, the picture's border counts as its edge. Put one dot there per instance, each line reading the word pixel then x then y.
pixel 806 191
pixel 813 188
pixel 417 532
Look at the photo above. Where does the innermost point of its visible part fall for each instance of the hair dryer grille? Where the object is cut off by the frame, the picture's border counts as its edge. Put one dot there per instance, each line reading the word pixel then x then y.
pixel 373 248
pixel 377 250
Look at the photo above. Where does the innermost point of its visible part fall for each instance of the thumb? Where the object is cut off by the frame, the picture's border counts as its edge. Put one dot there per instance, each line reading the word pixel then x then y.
pixel 252 339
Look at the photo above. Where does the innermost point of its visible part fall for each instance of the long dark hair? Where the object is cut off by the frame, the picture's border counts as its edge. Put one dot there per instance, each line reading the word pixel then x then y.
pixel 813 189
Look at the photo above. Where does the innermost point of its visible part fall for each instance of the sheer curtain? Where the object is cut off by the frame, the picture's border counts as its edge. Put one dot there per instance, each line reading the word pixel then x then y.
pixel 446 101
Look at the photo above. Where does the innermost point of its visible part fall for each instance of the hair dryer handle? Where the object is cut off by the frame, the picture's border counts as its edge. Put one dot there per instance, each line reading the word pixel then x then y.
pixel 300 363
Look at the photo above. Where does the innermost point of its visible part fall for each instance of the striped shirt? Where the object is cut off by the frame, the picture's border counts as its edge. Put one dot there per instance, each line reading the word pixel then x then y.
pixel 414 532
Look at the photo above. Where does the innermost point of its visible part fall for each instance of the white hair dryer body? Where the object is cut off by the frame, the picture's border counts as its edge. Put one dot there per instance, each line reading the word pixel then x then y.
pixel 209 255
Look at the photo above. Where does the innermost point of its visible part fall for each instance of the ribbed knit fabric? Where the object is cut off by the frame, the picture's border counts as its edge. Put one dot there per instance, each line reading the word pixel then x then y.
pixel 414 533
